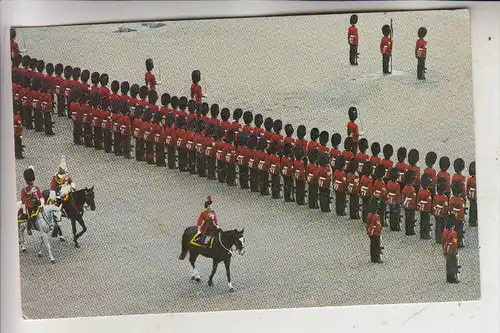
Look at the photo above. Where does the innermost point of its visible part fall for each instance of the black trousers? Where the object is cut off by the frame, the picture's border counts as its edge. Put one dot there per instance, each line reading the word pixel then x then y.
pixel 300 192
pixel 117 143
pixel 438 228
pixel 211 168
pixel 452 268
pixel 312 196
pixel 150 152
pixel 18 147
pixel 254 180
pixel 107 139
pixel 382 206
pixel 421 68
pixel 385 63
pixel 409 222
pixel 375 250
pixel 354 206
pixel 243 176
pixel 192 161
pixel 366 211
pixel 38 119
pixel 231 174
pixel 61 106
pixel 27 117
pixel 264 182
pixel 139 149
pixel 98 138
pixel 77 133
pixel 183 159
pixel 201 164
pixel 394 221
pixel 87 134
pixel 171 157
pixel 221 171
pixel 473 213
pixel 126 146
pixel 353 54
pixel 288 188
pixel 275 186
pixel 160 154
pixel 340 203
pixel 425 227
pixel 48 124
pixel 459 228
pixel 324 199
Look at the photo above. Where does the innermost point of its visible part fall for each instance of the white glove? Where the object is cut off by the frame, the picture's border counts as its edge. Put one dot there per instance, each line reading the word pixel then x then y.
pixel 199 230
pixel 158 83
pixel 204 96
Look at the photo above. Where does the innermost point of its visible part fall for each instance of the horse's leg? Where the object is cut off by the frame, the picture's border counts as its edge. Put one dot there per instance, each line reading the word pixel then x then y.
pixel 59 233
pixel 21 238
pixel 45 238
pixel 228 273
pixel 73 227
pixel 192 259
pixel 41 245
pixel 82 224
pixel 215 263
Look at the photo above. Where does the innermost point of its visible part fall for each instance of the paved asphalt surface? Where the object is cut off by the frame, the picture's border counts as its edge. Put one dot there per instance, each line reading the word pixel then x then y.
pixel 128 261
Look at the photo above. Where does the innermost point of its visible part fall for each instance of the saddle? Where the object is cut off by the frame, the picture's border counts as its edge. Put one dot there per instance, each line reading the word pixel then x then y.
pixel 203 240
pixel 22 218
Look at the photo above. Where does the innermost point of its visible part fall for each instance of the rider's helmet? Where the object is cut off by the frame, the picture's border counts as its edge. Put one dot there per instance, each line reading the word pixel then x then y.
pixel 208 203
pixel 63 169
pixel 29 175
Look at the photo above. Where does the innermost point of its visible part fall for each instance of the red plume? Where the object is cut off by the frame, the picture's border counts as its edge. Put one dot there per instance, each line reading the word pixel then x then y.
pixel 209 198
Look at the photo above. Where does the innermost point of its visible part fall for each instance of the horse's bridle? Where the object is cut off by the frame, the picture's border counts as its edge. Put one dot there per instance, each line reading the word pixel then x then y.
pixel 225 248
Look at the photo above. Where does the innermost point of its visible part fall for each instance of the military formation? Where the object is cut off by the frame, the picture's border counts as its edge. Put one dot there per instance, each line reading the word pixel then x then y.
pixel 251 151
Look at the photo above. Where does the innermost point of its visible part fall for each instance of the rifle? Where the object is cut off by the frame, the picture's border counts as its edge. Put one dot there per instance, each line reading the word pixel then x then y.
pixel 390 72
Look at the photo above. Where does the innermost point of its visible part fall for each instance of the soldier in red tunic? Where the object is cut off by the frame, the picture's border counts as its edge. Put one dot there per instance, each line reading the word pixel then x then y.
pixel 138 133
pixel 77 116
pixel 459 166
pixel 409 200
pixel 84 77
pixel 149 136
pixel 87 122
pixel 413 157
pixel 335 151
pixel 26 92
pixel 170 140
pixel 457 211
pixel 289 132
pixel 181 135
pixel 352 40
pixel 375 159
pixel 430 160
pixel 124 89
pixel 210 151
pixel 191 145
pixel 196 92
pixel 299 175
pixel 225 114
pixel 258 120
pixel 199 139
pixel 242 159
pixel 149 78
pixel 352 188
pixel 47 107
pixel 366 187
pixel 214 113
pixel 301 142
pixel 313 143
pixel 401 166
pixel 312 181
pixel 388 151
pixel 444 165
pixel 253 163
pixel 424 206
pixel 247 119
pixel 273 166
pixel 394 200
pixel 235 125
pixel 362 157
pixel 323 174
pixel 450 251
pixel 440 208
pixel 125 131
pixel 36 103
pixel 207 222
pixel 59 89
pixel 97 120
pixel 323 142
pixel 68 86
pixel 268 125
pixel 421 53
pixel 31 198
pixel 263 166
pixel 107 128
pixel 373 229
pixel 349 150
pixel 116 108
pixel 165 101
pixel 380 192
pixel 229 152
pixel 472 195
pixel 353 128
pixel 277 137
pixel 219 155
pixel 287 171
pixel 339 185
pixel 386 48
pixel 18 138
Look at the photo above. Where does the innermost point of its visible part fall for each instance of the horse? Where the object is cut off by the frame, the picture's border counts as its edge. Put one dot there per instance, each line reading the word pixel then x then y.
pixel 46 221
pixel 73 209
pixel 221 250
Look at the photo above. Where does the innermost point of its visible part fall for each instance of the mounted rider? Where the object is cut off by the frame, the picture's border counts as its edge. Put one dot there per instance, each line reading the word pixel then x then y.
pixel 207 222
pixel 61 183
pixel 31 199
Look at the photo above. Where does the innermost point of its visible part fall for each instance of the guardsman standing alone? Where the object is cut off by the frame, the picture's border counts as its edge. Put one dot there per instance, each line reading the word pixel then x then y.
pixel 450 251
pixel 352 39
pixel 373 229
pixel 472 195
pixel 424 206
pixel 421 53
pixel 386 48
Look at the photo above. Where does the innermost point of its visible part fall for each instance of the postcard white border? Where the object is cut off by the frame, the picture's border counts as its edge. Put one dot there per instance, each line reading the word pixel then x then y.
pixel 475 316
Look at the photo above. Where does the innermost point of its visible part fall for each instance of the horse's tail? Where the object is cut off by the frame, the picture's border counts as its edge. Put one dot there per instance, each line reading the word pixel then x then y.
pixel 185 240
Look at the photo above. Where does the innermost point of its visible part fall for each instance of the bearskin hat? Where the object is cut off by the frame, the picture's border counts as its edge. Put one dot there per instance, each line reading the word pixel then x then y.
pixel 237 114
pixel 13 34
pixel 367 168
pixel 183 102
pixel 46 85
pixel 58 69
pixel 125 87
pixel 143 92
pixel 191 124
pixel 388 150
pixel 36 83
pixel 152 97
pixel 299 152
pixel 196 76
pixel 441 186
pixel 174 102
pixel 352 166
pixel 425 180
pixel 336 139
pixel 339 162
pixel 211 129
pixel 288 129
pixel 353 113
pixel 165 99
pixel 323 138
pixel 191 106
pixel 247 117
pixel 94 78
pixel 149 65
pixel 323 159
pixel 169 119
pixel 312 155
pixel 379 171
pixel 85 76
pixel 430 159
pixel 394 174
pixel 410 177
pixel 262 145
pixel 115 86
pixel 208 202
pixel 18 59
pixel 354 19
pixel 225 114
pixel 252 141
pixel 348 143
pixel 277 125
pixel 459 165
pixel 68 72
pixel 472 168
pixel 413 157
pixel 76 73
pixel 287 149
pixel 386 30
pixel 40 66
pixel 401 154
pixel 229 137
pixel 268 124
pixel 214 110
pixel 301 132
pixel 221 132
pixel 422 31
pixel 204 108
pixel 134 90
pixel 363 145
pixel 242 138
pixel 26 61
pixel 34 61
pixel 258 120
pixel 314 134
pixel 157 117
pixel 273 148
pixel 181 122
pixel 104 79
pixel 444 163
pixel 29 175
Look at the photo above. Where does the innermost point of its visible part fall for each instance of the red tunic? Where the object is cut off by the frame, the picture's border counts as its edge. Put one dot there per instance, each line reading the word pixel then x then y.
pixel 125 126
pixel 258 131
pixel 393 193
pixel 286 167
pixel 274 164
pixel 76 112
pixel 159 133
pixel 96 118
pixel 196 93
pixel 226 125
pixel 373 226
pixel 334 152
pixel 204 219
pixel 339 181
pixel 445 175
pixel 471 188
pixel 247 129
pixel 311 145
pixel 353 131
pixel 457 208
pixel 424 201
pixel 36 102
pixel 150 80
pixel 148 132
pixel 229 153
pixel 421 48
pixel 55 185
pixel 199 140
pixel 46 102
pixel 27 95
pixel 106 120
pixel 18 125
pixel 417 174
pixel 366 186
pixel 449 241
pixel 170 138
pixel 387 165
pixel 379 190
pixel 14 49
pixel 385 46
pixel 303 143
pixel 299 171
pixel 87 113
pixel 361 158
pixel 310 170
pixel 190 143
pixel 180 135
pixel 459 178
pixel 440 205
pixel 261 158
pixel 28 195
pixel 409 197
pixel 431 172
pixel 352 183
pixel 137 125
pixel 288 139
pixel 352 35
pixel 115 119
pixel 210 147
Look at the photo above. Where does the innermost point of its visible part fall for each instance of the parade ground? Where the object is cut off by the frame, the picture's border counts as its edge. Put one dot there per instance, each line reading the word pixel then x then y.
pixel 295 257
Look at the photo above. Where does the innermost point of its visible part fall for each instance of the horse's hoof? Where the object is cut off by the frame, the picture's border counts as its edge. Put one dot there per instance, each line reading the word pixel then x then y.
pixel 77 245
pixel 53 261
pixel 197 279
pixel 231 289
pixel 210 283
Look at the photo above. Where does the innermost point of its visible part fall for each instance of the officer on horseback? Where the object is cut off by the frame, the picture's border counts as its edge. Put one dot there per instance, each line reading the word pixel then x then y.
pixel 61 183
pixel 31 198
pixel 207 222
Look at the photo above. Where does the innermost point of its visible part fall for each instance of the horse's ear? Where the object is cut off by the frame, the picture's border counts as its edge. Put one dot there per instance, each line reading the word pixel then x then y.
pixel 92 188
pixel 242 230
